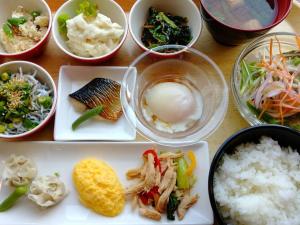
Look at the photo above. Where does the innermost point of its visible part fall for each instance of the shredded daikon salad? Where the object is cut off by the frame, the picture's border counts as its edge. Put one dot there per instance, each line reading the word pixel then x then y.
pixel 271 85
pixel 24 102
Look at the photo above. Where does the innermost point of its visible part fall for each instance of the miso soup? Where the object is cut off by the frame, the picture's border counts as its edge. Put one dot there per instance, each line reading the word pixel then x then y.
pixel 243 14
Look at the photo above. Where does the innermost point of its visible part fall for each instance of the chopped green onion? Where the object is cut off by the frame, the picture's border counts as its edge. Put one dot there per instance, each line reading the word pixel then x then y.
pixel 35 14
pixel 45 101
pixel 5 76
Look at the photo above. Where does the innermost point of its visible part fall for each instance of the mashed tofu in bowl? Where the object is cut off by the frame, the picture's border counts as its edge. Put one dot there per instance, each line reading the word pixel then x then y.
pixel 93 37
pixel 90 30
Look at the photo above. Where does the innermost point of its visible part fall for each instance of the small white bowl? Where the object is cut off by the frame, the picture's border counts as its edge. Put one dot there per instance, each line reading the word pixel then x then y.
pixel 184 8
pixel 44 77
pixel 6 9
pixel 107 7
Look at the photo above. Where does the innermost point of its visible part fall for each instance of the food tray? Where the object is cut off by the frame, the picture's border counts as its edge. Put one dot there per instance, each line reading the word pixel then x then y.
pixel 60 157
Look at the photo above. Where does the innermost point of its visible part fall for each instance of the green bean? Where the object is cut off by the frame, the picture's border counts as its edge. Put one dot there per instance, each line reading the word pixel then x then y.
pixel 86 116
pixel 13 198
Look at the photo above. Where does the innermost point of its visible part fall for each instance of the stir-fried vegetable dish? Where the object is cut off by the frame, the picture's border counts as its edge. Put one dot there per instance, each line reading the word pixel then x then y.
pixel 164 28
pixel 164 184
pixel 271 86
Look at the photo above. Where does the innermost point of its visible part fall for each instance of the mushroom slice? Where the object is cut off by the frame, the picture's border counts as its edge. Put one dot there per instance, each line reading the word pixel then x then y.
pixel 47 191
pixel 19 170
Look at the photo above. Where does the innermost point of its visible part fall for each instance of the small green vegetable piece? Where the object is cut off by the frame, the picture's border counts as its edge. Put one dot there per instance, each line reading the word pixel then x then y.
pixel 296 61
pixel 56 174
pixel 45 101
pixel 167 20
pixel 28 124
pixel 86 116
pixel 5 76
pixel 35 14
pixel 10 126
pixel 13 197
pixel 2 128
pixel 17 21
pixel 88 8
pixel 62 23
pixel 182 179
pixel 7 30
pixel 17 120
pixel 265 117
pixel 172 206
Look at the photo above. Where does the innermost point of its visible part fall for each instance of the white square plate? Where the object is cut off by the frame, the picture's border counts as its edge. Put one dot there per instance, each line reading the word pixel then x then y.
pixel 51 157
pixel 72 78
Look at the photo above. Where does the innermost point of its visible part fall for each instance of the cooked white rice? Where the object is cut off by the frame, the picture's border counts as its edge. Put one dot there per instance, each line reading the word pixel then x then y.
pixel 259 185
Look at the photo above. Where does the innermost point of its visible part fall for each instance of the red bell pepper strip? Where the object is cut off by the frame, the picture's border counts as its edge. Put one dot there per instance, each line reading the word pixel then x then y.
pixel 156 158
pixel 145 196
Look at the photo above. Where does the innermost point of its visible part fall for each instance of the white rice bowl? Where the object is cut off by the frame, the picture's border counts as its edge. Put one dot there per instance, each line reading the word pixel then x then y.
pixel 259 185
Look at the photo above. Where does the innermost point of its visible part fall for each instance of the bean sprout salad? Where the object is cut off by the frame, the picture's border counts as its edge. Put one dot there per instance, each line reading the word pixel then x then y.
pixel 24 101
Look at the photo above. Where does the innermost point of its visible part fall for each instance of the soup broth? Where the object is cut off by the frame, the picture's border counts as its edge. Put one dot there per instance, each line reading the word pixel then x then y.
pixel 243 14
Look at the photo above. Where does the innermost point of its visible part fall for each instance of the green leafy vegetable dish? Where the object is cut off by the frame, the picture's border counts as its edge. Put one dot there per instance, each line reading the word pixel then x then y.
pixel 24 102
pixel 270 85
pixel 164 28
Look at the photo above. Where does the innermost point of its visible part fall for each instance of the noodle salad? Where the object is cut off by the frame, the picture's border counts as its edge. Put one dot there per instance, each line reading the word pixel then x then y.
pixel 24 102
pixel 271 86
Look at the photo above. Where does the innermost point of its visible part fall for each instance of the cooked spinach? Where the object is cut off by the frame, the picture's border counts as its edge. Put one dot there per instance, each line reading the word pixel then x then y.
pixel 172 206
pixel 164 28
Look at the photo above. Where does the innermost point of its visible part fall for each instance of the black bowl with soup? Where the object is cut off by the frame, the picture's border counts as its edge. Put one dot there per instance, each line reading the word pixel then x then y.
pixel 286 137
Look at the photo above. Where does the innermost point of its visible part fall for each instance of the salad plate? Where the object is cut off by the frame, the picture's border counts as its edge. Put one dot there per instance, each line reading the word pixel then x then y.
pixel 72 78
pixel 60 157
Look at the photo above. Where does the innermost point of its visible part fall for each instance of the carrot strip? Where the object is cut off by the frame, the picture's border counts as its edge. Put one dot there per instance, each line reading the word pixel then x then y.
pixel 271 51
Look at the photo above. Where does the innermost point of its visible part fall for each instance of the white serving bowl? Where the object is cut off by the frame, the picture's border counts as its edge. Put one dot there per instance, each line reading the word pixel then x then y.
pixel 184 8
pixel 44 77
pixel 6 9
pixel 107 7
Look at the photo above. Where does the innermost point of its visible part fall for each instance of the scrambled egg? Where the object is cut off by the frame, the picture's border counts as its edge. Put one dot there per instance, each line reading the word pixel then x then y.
pixel 99 187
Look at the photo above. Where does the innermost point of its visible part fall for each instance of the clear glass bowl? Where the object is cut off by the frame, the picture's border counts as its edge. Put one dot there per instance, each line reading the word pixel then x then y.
pixel 257 48
pixel 188 66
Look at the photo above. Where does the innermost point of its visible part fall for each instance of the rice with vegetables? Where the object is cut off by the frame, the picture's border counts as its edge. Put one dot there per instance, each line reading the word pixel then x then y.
pixel 23 30
pixel 259 185
pixel 24 102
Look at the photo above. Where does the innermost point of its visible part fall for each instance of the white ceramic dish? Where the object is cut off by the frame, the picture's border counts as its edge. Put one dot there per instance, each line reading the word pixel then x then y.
pixel 59 157
pixel 187 8
pixel 72 78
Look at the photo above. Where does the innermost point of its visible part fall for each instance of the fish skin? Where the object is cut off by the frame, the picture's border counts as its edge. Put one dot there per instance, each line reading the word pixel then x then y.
pixel 101 91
